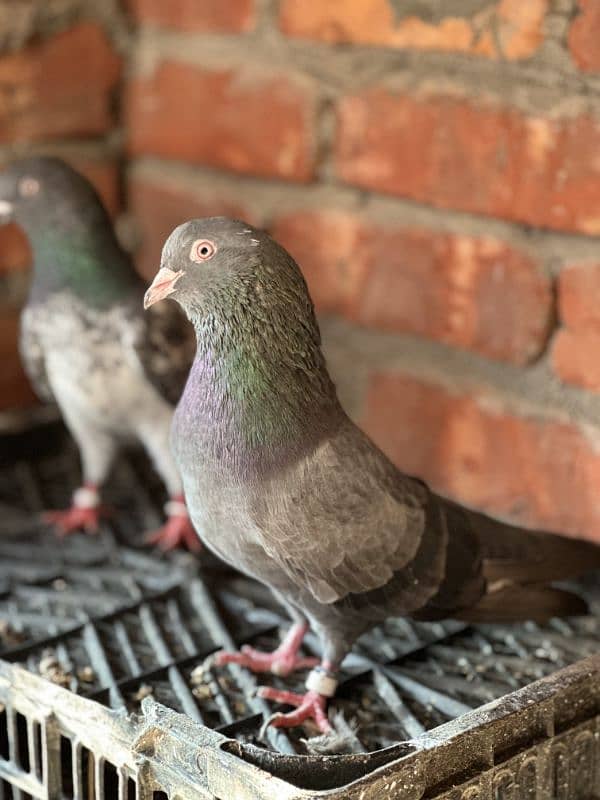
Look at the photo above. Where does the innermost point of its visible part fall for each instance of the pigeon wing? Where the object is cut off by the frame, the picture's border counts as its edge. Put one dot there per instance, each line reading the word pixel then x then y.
pixel 343 520
pixel 165 344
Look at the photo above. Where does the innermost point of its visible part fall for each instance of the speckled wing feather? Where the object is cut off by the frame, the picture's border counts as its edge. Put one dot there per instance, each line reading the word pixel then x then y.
pixel 32 354
pixel 343 520
pixel 166 344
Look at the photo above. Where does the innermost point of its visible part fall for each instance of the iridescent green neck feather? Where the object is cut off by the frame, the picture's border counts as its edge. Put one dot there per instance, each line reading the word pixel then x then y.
pixel 84 260
pixel 259 388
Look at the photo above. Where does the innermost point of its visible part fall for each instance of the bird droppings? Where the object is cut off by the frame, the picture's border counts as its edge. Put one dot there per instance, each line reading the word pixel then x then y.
pixel 202 682
pixel 9 637
pixel 49 667
pixel 342 739
pixel 202 692
pixel 145 690
pixel 86 675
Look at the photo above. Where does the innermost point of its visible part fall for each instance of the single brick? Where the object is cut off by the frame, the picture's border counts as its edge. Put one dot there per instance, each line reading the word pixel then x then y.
pixel 212 16
pixel 505 29
pixel 576 347
pixel 576 357
pixel 469 447
pixel 579 296
pixel 61 86
pixel 477 293
pixel 453 152
pixel 245 120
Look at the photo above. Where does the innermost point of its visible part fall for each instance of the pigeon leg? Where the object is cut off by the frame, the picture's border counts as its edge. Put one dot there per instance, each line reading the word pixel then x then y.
pixel 280 662
pixel 84 514
pixel 178 530
pixel 97 449
pixel 320 685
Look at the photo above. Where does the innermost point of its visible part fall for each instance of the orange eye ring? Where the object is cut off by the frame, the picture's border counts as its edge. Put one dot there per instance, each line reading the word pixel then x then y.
pixel 202 250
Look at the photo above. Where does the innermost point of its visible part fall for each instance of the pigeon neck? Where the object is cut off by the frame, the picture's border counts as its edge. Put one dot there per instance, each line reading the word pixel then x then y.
pixel 89 263
pixel 265 399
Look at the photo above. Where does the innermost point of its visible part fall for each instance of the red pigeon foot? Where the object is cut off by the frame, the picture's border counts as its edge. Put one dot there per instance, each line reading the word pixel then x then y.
pixel 84 514
pixel 280 662
pixel 178 531
pixel 310 705
pixel 73 520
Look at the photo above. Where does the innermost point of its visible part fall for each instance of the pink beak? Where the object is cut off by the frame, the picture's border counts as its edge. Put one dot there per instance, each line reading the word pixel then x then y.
pixel 162 286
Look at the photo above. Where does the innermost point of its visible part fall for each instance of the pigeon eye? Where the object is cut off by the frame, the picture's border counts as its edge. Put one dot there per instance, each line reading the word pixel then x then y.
pixel 28 187
pixel 202 250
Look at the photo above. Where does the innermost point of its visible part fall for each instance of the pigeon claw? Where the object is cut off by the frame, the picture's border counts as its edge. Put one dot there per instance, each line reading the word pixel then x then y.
pixel 177 532
pixel 280 662
pixel 73 520
pixel 308 706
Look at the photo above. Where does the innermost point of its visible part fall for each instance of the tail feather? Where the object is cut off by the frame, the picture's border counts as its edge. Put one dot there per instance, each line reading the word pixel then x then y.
pixel 499 573
pixel 527 557
pixel 513 603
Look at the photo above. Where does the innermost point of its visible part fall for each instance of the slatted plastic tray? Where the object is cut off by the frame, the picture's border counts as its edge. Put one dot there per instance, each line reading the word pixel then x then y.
pixel 98 639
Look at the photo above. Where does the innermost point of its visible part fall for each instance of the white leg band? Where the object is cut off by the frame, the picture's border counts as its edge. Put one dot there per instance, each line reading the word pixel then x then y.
pixel 321 681
pixel 86 497
pixel 175 508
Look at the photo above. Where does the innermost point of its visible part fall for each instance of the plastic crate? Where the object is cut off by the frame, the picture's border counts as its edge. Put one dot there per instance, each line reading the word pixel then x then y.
pixel 107 623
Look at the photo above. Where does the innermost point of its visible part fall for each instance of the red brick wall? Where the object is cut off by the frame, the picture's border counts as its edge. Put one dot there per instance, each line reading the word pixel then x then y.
pixel 435 168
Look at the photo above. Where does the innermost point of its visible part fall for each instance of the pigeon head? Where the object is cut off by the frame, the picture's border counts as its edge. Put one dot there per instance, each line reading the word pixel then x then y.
pixel 20 187
pixel 219 266
pixel 40 191
pixel 69 230
pixel 259 371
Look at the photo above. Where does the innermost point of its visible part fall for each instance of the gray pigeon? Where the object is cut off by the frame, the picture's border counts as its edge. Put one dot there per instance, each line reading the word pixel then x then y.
pixel 86 344
pixel 283 486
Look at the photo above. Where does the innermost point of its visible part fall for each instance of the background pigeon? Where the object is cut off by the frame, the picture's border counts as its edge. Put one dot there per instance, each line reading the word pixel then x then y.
pixel 282 485
pixel 114 372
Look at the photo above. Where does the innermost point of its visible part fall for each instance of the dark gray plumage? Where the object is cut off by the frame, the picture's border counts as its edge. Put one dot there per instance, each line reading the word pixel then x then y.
pixel 114 372
pixel 281 484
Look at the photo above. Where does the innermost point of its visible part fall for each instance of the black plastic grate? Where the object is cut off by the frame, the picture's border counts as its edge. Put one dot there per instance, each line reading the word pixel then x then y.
pixel 114 623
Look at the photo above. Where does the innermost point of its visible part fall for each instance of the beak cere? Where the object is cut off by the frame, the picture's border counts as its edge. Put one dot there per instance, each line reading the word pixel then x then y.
pixel 6 211
pixel 162 286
